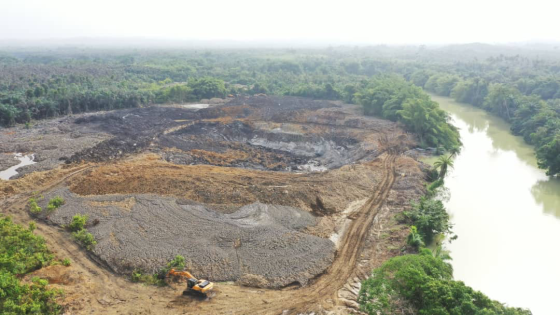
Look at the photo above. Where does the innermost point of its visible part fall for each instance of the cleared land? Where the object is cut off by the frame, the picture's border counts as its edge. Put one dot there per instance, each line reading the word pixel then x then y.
pixel 263 192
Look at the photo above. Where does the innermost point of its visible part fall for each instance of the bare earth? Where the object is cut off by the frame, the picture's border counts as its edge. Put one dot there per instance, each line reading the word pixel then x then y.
pixel 308 191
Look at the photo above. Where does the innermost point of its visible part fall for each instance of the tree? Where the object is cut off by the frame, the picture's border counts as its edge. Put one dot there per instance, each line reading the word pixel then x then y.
pixel 502 100
pixel 423 117
pixel 443 163
pixel 423 284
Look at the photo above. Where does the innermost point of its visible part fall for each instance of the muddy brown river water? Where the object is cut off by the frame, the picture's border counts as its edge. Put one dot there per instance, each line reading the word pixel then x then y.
pixel 506 213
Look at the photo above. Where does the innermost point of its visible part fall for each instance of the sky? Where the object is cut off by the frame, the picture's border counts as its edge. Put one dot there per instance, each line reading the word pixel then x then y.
pixel 342 21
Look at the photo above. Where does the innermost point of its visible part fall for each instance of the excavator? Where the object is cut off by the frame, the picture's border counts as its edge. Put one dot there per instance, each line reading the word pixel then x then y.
pixel 199 287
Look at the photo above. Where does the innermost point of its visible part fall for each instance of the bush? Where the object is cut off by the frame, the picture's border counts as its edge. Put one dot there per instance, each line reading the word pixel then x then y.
pixel 85 238
pixel 17 298
pixel 66 262
pixel 433 187
pixel 21 252
pixel 152 279
pixel 78 222
pixel 177 263
pixel 414 238
pixel 33 206
pixel 425 284
pixel 55 203
pixel 430 218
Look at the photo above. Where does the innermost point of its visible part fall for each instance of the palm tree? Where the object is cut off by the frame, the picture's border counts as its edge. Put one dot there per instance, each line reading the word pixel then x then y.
pixel 443 163
pixel 454 151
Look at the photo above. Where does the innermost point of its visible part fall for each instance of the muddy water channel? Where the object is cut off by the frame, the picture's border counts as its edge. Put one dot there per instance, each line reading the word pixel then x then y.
pixel 506 213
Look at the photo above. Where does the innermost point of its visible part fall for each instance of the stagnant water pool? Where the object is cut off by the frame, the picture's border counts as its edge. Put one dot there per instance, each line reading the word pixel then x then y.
pixel 12 171
pixel 506 212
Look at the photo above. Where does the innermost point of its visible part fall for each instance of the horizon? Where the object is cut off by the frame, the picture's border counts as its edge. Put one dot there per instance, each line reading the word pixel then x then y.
pixel 356 22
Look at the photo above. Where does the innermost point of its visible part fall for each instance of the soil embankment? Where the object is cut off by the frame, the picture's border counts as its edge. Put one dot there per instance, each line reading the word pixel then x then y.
pixel 254 191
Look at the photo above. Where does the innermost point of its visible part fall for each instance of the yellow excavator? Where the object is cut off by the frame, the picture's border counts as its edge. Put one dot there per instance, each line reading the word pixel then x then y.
pixel 194 285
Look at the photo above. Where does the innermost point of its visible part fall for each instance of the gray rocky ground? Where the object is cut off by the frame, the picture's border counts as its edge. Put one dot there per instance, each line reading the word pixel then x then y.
pixel 259 244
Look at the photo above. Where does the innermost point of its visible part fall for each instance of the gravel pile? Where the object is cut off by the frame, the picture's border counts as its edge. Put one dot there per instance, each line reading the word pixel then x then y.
pixel 259 244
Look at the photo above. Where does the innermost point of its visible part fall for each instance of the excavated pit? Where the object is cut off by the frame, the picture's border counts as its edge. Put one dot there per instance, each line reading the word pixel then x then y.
pixel 144 232
pixel 249 191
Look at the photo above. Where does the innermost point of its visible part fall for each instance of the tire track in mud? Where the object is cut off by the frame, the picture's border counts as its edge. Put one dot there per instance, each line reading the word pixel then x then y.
pixel 321 294
pixel 111 294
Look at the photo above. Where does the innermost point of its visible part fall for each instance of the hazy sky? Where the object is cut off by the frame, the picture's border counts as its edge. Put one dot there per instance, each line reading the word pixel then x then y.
pixel 389 21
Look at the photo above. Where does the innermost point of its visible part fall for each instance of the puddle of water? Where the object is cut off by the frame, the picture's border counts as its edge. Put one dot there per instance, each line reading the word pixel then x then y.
pixel 23 161
pixel 195 106
pixel 312 167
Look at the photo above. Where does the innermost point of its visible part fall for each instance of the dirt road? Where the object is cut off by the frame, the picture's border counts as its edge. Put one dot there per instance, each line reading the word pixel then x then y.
pixel 228 165
pixel 321 295
pixel 96 290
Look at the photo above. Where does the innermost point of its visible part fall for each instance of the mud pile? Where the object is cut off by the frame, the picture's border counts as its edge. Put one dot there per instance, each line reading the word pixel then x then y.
pixel 239 144
pixel 258 244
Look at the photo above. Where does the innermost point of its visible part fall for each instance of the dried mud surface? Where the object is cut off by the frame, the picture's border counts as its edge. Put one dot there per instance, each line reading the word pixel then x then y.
pixel 144 232
pixel 262 191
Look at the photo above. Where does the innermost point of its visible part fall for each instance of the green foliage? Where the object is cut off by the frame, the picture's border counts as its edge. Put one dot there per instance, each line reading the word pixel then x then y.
pixel 395 99
pixel 423 117
pixel 433 186
pixel 443 163
pixel 80 233
pixel 55 203
pixel 425 284
pixel 523 86
pixel 207 88
pixel 430 218
pixel 21 252
pixel 85 238
pixel 34 298
pixel 151 279
pixel 158 278
pixel 78 222
pixel 66 262
pixel 32 226
pixel 177 263
pixel 414 238
pixel 33 206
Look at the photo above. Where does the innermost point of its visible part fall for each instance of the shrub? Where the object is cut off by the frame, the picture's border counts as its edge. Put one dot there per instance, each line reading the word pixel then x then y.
pixel 152 279
pixel 34 207
pixel 414 239
pixel 34 298
pixel 21 252
pixel 66 262
pixel 78 222
pixel 432 187
pixel 425 284
pixel 85 238
pixel 430 218
pixel 55 203
pixel 178 263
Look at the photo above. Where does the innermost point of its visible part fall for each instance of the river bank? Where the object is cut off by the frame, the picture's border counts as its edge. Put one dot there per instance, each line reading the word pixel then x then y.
pixel 505 211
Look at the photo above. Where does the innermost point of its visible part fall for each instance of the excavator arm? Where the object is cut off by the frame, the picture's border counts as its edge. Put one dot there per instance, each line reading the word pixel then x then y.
pixel 194 284
pixel 183 274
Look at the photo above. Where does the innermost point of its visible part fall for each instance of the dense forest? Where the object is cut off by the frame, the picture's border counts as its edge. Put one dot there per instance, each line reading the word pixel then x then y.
pixel 520 85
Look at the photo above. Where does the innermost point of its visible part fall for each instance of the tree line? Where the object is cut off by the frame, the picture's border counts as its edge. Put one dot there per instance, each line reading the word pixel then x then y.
pixel 530 116
pixel 522 86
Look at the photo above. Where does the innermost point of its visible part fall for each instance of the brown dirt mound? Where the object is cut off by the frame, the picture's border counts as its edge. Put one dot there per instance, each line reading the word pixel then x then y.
pixel 231 186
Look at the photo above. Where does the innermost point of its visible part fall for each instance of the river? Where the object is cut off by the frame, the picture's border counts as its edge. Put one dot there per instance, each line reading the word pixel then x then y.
pixel 506 213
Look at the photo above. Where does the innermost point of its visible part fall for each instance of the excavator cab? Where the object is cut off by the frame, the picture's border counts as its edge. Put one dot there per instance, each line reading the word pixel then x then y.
pixel 194 285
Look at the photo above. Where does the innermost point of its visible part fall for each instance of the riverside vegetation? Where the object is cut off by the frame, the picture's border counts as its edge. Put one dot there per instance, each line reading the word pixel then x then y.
pixel 520 85
pixel 423 283
pixel 37 85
